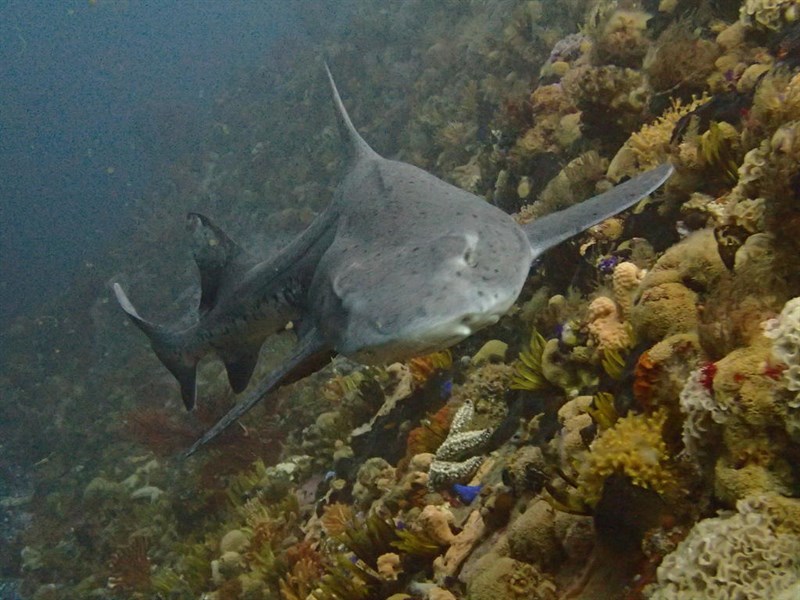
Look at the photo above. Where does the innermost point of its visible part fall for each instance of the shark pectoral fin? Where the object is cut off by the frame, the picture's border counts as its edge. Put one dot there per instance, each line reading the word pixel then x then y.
pixel 169 347
pixel 218 257
pixel 552 229
pixel 240 366
pixel 308 353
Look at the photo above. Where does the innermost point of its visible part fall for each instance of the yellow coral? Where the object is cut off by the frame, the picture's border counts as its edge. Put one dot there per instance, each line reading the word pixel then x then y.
pixel 650 146
pixel 633 447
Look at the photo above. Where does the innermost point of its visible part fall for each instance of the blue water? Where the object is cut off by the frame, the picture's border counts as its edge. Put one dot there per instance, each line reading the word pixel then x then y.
pixel 95 98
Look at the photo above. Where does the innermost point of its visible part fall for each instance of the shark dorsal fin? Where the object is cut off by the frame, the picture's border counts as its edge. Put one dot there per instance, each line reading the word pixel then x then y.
pixel 358 146
pixel 217 256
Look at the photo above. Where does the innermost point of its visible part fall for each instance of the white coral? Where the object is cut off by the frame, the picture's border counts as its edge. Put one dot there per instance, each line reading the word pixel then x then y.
pixel 785 333
pixel 748 554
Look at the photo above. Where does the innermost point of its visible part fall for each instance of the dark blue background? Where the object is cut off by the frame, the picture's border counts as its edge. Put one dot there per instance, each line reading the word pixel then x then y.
pixel 84 88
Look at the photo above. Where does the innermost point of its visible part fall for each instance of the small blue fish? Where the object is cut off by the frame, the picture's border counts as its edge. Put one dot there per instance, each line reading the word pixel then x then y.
pixel 446 389
pixel 467 493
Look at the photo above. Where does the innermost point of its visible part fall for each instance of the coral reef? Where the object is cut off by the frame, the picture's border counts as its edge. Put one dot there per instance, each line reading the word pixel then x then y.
pixel 752 553
pixel 630 430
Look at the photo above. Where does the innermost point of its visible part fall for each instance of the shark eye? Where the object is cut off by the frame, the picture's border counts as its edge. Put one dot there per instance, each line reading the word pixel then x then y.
pixel 470 257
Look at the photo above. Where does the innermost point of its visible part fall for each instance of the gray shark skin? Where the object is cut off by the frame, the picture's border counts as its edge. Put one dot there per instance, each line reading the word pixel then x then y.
pixel 399 264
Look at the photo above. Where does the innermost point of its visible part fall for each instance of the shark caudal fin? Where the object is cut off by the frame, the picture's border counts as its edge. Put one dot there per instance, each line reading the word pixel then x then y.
pixel 552 229
pixel 358 147
pixel 168 346
pixel 222 264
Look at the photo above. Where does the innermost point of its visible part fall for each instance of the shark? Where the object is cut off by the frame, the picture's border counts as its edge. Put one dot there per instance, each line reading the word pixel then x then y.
pixel 399 264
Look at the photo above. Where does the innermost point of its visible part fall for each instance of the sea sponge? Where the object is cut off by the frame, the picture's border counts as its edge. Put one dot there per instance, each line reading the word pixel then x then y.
pixel 622 40
pixel 574 418
pixel 472 532
pixel 662 371
pixel 435 522
pixel 744 388
pixel 665 304
pixel 700 427
pixel 532 536
pixel 776 101
pixel 235 540
pixel 375 477
pixel 732 484
pixel 502 577
pixel 612 100
pixel 568 368
pixel 606 326
pixel 389 566
pixel 753 553
pixel 680 61
pixel 625 281
pixel 634 446
pixel 664 309
pixel 550 104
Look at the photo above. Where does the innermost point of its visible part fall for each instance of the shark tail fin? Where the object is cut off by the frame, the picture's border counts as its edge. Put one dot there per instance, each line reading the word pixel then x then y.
pixel 552 229
pixel 169 347
pixel 358 147
pixel 219 259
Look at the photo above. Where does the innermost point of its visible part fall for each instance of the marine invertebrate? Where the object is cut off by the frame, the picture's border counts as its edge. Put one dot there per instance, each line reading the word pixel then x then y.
pixel 665 304
pixel 784 331
pixel 430 433
pixel 504 577
pixel 612 100
pixel 472 532
pixel 532 536
pixel 375 477
pixel 625 280
pixel 662 371
pixel 769 14
pixel 634 446
pixel 752 553
pixel 424 367
pixel 622 39
pixel 606 326
pixel 680 60
pixel 454 460
pixel 528 372
pixel 650 145
pixel 130 567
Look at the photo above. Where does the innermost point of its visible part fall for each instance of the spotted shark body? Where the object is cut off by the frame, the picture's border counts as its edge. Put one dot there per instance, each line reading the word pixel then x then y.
pixel 399 264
